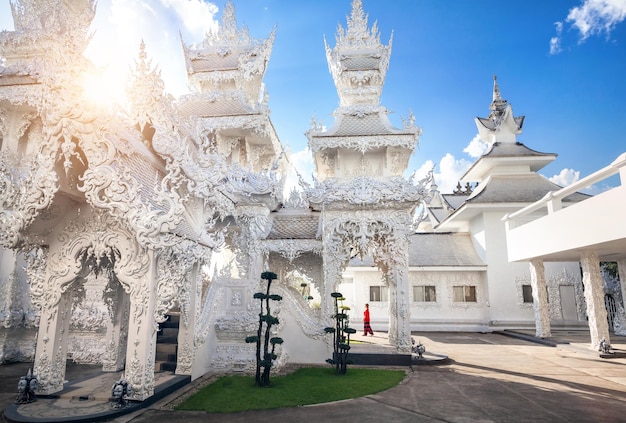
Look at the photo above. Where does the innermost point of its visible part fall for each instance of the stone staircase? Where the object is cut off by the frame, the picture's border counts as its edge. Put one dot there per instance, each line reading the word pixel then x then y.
pixel 167 344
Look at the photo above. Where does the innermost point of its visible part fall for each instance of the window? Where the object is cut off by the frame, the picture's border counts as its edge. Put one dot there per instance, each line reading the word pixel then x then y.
pixel 527 293
pixel 424 294
pixel 379 293
pixel 464 294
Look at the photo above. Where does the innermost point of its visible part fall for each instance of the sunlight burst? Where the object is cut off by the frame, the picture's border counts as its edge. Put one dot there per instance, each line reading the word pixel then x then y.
pixel 104 88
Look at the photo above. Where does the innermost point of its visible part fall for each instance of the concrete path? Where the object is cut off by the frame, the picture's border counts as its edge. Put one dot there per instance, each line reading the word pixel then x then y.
pixel 491 378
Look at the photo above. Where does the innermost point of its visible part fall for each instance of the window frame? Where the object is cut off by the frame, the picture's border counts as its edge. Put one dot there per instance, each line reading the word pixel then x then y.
pixel 469 294
pixel 425 293
pixel 383 293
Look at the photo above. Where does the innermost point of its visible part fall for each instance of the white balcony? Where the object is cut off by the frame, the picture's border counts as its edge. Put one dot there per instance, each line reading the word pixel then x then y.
pixel 550 232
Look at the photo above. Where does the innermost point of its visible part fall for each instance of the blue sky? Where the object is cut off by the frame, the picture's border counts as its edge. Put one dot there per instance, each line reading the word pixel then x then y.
pixel 559 63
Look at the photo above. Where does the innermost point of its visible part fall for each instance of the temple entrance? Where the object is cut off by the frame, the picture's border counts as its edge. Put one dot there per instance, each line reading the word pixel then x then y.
pixel 379 235
pixel 88 305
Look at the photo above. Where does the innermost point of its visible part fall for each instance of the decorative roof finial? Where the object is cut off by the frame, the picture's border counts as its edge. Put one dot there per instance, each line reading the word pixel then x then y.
pixel 498 105
pixel 227 31
pixel 496 89
pixel 500 125
pixel 357 34
pixel 358 62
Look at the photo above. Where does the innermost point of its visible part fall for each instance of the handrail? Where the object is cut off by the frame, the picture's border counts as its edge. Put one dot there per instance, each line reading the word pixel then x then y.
pixel 557 195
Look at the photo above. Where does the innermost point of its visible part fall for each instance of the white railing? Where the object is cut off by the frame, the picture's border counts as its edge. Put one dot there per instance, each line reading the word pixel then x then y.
pixel 552 200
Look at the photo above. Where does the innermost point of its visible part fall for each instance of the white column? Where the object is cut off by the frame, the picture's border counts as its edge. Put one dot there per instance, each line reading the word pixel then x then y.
pixel 621 271
pixel 399 310
pixel 540 298
pixel 8 281
pixel 52 341
pixel 187 325
pixel 142 333
pixel 594 297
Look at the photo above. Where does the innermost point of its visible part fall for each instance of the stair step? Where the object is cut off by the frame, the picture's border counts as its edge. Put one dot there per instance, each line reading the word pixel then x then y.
pixel 167 349
pixel 166 366
pixel 170 324
pixel 167 340
pixel 165 356
pixel 167 343
pixel 168 332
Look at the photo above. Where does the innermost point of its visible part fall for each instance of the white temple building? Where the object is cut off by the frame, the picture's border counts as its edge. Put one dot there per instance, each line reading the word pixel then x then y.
pixel 135 237
pixel 459 271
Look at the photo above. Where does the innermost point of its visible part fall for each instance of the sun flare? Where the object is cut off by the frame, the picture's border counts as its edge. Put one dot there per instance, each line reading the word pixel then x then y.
pixel 104 88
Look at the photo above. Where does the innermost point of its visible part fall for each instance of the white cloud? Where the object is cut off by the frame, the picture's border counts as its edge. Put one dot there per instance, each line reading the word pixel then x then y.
pixel 447 173
pixel 196 15
pixel 476 147
pixel 555 42
pixel 302 163
pixel 423 170
pixel 565 177
pixel 594 17
pixel 569 176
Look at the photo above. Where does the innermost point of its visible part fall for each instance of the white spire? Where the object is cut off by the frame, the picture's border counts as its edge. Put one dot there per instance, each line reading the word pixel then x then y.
pixel 500 125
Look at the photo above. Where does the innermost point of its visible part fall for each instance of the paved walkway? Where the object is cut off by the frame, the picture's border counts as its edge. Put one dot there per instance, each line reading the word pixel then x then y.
pixel 491 378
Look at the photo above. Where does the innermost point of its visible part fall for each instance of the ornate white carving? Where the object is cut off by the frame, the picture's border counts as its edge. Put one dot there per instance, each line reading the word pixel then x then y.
pixel 295 200
pixel 248 54
pixel 26 188
pixel 185 356
pixel 612 287
pixel 291 248
pixel 363 143
pixel 308 319
pixel 173 278
pixel 554 281
pixel 364 190
pixel 87 348
pixel 520 281
pixel 358 83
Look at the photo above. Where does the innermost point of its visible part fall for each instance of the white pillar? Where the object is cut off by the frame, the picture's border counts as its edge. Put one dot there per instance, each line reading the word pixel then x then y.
pixel 399 310
pixel 540 298
pixel 141 349
pixel 52 342
pixel 8 260
pixel 187 325
pixel 594 297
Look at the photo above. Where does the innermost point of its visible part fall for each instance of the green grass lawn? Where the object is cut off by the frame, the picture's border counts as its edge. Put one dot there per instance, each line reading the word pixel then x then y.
pixel 310 385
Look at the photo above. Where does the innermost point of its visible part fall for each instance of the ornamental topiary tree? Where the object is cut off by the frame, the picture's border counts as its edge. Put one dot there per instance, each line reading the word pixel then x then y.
pixel 266 321
pixel 341 335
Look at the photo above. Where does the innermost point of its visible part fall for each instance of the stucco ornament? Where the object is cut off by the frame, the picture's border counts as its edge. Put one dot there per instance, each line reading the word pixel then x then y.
pixel 365 190
pixel 96 243
pixel 228 40
pixel 26 188
pixel 174 279
pixel 291 249
pixel 362 86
